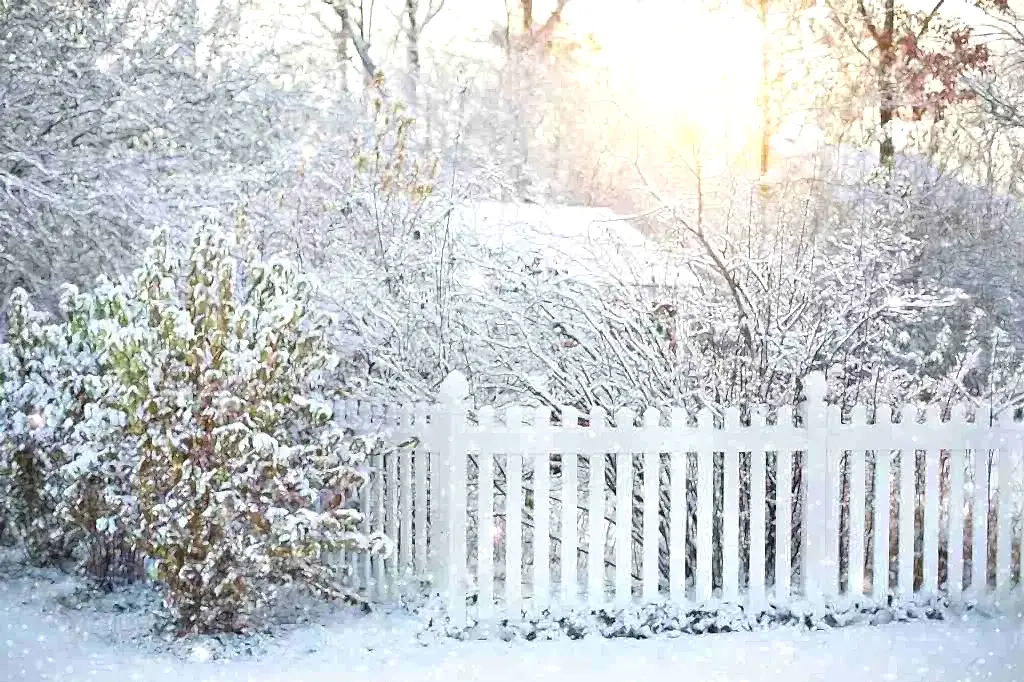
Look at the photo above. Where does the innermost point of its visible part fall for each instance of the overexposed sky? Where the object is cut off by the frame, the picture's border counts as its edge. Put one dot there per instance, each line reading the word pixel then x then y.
pixel 690 68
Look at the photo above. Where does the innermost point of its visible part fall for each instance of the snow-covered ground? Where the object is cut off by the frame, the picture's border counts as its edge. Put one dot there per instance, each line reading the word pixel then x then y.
pixel 53 628
pixel 46 641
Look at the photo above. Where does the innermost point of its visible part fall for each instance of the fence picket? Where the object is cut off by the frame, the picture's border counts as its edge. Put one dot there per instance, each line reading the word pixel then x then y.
pixel 570 523
pixel 405 502
pixel 705 508
pixel 1016 445
pixel 932 493
pixel 595 517
pixel 908 465
pixel 882 509
pixel 421 461
pixel 1017 454
pixel 783 510
pixel 816 568
pixel 452 427
pixel 677 513
pixel 758 512
pixel 979 524
pixel 955 550
pixel 858 483
pixel 731 510
pixel 833 489
pixel 623 510
pixel 380 585
pixel 485 522
pixel 366 504
pixel 436 484
pixel 541 512
pixel 1003 541
pixel 364 567
pixel 392 486
pixel 652 499
pixel 514 517
pixel 404 570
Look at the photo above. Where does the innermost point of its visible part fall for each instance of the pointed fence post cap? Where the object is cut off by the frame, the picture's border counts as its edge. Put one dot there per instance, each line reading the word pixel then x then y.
pixel 815 387
pixel 454 388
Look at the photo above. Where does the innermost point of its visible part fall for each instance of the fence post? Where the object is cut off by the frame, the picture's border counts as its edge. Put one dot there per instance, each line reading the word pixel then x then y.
pixel 819 570
pixel 450 536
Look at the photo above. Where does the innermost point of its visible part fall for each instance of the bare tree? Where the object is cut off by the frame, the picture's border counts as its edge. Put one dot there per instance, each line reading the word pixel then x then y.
pixel 906 54
pixel 414 24
pixel 109 128
pixel 1002 90
pixel 356 19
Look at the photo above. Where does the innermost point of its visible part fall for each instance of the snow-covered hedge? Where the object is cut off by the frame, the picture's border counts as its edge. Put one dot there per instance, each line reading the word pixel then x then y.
pixel 60 471
pixel 185 415
pixel 33 409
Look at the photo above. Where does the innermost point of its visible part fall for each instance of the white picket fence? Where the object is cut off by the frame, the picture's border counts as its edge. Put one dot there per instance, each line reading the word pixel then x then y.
pixel 514 513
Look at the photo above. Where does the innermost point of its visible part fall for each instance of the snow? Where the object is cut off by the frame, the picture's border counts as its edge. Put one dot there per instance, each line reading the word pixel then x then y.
pixel 583 241
pixel 45 642
pixel 845 166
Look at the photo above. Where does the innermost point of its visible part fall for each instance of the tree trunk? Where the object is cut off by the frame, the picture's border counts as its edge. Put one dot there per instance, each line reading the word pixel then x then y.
pixel 886 113
pixel 886 86
pixel 766 123
pixel 527 6
pixel 343 54
pixel 412 48
pixel 358 39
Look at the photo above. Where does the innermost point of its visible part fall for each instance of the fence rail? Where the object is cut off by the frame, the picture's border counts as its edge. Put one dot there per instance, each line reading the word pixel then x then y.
pixel 523 513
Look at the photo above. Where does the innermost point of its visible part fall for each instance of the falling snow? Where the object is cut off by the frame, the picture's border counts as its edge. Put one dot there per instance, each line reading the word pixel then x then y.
pixel 45 641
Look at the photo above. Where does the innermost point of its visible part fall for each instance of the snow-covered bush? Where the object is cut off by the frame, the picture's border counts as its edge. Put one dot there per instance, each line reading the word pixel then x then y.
pixel 97 509
pixel 225 367
pixel 64 475
pixel 33 413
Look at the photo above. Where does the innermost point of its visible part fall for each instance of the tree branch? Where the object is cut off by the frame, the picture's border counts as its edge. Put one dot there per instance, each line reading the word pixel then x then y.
pixel 872 29
pixel 928 19
pixel 359 40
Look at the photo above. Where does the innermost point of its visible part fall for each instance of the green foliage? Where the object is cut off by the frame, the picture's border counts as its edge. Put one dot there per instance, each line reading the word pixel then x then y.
pixel 225 374
pixel 185 416
pixel 63 472
pixel 32 414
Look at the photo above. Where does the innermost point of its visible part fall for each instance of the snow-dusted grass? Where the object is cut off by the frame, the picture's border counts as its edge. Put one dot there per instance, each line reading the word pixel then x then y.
pixel 52 630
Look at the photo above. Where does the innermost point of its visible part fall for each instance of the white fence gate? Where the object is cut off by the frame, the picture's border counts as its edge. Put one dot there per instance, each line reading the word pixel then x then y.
pixel 525 512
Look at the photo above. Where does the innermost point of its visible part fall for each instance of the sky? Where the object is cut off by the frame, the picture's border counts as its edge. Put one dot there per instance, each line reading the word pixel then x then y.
pixel 691 69
pixel 605 16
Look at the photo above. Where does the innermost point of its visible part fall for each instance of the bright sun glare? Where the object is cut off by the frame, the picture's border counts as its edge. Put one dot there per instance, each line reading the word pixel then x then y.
pixel 695 68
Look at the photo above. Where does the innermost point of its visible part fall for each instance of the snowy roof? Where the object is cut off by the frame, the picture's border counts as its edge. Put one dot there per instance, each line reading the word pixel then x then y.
pixel 583 241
